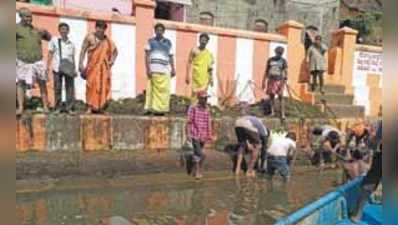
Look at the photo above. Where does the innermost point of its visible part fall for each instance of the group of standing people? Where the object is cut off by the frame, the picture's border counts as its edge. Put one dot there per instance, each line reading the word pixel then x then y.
pixel 160 69
pixel 101 54
pixel 97 48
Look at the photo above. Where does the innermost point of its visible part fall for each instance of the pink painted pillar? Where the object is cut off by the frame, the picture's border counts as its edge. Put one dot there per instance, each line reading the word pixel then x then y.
pixel 292 30
pixel 144 11
pixel 346 38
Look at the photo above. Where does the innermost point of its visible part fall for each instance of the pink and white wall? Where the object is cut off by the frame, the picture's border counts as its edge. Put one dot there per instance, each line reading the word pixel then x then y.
pixel 240 56
pixel 124 6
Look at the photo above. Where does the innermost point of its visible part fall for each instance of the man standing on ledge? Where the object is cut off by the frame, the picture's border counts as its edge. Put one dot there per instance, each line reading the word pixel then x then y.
pixel 101 55
pixel 275 78
pixel 30 64
pixel 61 54
pixel 317 63
pixel 200 67
pixel 160 69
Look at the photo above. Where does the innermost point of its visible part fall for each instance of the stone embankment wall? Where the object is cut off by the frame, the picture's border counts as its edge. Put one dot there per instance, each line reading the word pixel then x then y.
pixel 57 146
pixel 97 133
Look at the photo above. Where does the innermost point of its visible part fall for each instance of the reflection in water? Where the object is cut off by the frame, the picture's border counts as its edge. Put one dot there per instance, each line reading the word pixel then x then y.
pixel 115 220
pixel 235 201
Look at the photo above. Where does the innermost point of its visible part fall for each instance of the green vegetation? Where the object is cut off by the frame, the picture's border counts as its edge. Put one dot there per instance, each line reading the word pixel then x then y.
pixel 369 25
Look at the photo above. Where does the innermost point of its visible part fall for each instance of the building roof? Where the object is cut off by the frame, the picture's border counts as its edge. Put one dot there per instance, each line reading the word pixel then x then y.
pixel 182 2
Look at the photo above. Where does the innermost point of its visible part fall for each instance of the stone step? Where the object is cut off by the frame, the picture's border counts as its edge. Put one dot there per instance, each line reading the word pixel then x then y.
pixel 334 99
pixel 331 89
pixel 345 111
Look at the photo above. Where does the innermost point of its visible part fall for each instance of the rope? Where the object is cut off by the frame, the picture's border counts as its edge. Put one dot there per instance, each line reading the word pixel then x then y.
pixel 334 116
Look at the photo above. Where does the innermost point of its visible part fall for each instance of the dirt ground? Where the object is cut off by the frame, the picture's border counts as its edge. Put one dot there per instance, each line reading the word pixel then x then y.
pixel 179 106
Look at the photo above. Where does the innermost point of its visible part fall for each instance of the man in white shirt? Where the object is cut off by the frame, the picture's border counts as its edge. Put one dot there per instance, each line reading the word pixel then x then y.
pixel 279 152
pixel 62 49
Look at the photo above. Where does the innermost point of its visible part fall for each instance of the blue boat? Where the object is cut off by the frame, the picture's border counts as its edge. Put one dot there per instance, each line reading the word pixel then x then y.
pixel 334 208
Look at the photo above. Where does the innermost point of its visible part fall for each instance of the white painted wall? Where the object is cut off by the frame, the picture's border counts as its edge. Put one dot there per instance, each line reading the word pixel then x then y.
pixel 123 72
pixel 359 81
pixel 17 18
pixel 172 36
pixel 244 70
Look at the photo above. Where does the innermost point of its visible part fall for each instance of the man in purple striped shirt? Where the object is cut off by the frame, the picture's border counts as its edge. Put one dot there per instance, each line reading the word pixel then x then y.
pixel 199 130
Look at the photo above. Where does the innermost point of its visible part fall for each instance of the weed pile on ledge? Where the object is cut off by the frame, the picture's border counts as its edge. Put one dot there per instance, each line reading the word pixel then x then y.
pixel 179 106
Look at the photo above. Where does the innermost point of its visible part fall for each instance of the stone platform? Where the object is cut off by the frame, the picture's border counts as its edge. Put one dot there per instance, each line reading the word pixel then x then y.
pixel 96 133
pixel 62 145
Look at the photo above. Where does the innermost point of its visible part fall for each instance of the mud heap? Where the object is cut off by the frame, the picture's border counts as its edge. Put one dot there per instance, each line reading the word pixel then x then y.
pixel 179 106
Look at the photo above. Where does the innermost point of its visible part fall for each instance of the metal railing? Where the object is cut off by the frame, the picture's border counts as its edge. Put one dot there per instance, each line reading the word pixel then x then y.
pixel 341 197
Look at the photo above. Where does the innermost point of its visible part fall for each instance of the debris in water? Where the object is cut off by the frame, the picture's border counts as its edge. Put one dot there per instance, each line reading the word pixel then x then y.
pixel 115 220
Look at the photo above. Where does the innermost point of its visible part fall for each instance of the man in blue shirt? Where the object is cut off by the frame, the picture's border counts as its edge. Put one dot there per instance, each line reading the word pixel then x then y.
pixel 159 61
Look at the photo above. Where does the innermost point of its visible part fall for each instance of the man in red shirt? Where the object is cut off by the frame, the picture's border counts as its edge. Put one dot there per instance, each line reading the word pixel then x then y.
pixel 199 130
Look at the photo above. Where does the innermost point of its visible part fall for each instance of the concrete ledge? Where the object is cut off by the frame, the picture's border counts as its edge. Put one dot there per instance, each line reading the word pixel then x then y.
pixel 96 133
pixel 99 133
pixel 59 146
pixel 177 138
pixel 31 133
pixel 127 133
pixel 62 133
pixel 157 134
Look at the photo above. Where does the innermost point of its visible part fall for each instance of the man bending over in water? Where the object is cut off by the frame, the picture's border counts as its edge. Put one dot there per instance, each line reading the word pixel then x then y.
pixel 281 149
pixel 251 133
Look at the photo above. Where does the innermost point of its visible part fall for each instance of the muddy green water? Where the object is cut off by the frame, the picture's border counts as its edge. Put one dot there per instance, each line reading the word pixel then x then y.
pixel 218 199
